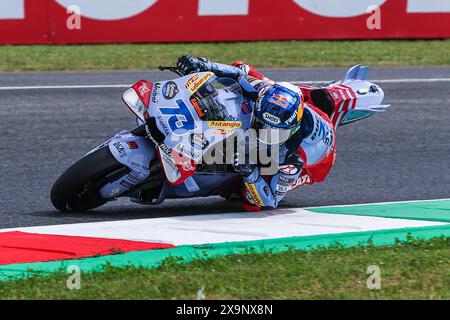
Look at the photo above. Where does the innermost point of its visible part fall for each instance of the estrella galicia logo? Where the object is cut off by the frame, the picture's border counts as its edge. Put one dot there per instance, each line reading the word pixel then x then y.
pixel 170 90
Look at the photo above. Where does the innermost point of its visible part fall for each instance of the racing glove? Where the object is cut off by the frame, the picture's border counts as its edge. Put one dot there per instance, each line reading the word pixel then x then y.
pixel 188 64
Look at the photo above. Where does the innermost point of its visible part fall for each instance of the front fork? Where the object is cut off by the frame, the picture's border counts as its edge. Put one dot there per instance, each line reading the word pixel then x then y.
pixel 135 153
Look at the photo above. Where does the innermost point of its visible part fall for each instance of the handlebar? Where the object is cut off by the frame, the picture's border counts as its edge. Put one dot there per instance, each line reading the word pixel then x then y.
pixel 173 69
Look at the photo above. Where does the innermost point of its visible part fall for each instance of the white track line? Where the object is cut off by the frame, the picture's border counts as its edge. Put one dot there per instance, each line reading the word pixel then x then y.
pixel 110 86
pixel 375 203
pixel 385 81
pixel 94 86
pixel 411 80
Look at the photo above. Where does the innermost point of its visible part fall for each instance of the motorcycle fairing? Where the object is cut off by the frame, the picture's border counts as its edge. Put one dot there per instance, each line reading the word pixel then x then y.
pixel 178 119
pixel 353 98
pixel 104 144
pixel 363 98
pixel 209 184
pixel 137 98
pixel 176 167
pixel 133 152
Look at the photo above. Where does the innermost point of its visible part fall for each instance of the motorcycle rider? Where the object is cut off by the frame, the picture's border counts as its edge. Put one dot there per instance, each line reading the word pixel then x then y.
pixel 304 134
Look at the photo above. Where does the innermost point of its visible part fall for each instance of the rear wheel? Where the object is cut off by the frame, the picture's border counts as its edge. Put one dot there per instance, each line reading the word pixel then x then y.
pixel 77 189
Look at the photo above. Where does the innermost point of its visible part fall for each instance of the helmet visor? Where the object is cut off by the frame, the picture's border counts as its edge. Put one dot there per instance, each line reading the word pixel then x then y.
pixel 271 135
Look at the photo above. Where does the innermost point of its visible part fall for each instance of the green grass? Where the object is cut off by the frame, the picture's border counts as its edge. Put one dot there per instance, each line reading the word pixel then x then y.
pixel 409 270
pixel 260 54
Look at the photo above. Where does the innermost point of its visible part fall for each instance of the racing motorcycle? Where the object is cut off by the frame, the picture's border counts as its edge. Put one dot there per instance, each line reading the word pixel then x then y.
pixel 178 123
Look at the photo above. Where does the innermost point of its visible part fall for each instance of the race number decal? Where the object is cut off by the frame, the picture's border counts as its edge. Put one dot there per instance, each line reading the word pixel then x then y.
pixel 181 119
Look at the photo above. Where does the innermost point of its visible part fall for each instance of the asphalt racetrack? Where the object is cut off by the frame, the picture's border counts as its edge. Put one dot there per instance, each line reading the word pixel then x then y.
pixel 402 154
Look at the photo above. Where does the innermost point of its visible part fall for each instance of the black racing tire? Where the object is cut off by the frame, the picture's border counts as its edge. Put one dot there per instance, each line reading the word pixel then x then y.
pixel 77 189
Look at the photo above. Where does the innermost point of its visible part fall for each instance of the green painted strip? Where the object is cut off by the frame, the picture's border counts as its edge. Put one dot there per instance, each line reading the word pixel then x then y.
pixel 422 210
pixel 153 258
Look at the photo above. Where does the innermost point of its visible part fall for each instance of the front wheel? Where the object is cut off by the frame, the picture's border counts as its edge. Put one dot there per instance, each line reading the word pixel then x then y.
pixel 77 189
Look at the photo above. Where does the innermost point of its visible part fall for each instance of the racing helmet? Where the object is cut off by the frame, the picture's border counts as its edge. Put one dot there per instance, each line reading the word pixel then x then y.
pixel 278 113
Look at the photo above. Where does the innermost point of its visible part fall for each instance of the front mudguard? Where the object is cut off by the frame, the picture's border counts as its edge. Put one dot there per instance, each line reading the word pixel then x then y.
pixel 134 152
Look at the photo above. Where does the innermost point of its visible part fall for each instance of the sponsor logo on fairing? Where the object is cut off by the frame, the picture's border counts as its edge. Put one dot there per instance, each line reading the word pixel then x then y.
pixel 165 149
pixel 199 140
pixel 191 80
pixel 197 108
pixel 162 146
pixel 155 93
pixel 184 162
pixel 170 169
pixel 139 165
pixel 195 82
pixel 223 132
pixel 120 149
pixel 188 152
pixel 163 125
pixel 143 89
pixel 225 124
pixel 132 145
pixel 170 90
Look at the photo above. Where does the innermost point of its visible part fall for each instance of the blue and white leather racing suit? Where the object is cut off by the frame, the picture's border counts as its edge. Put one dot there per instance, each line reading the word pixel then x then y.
pixel 309 145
